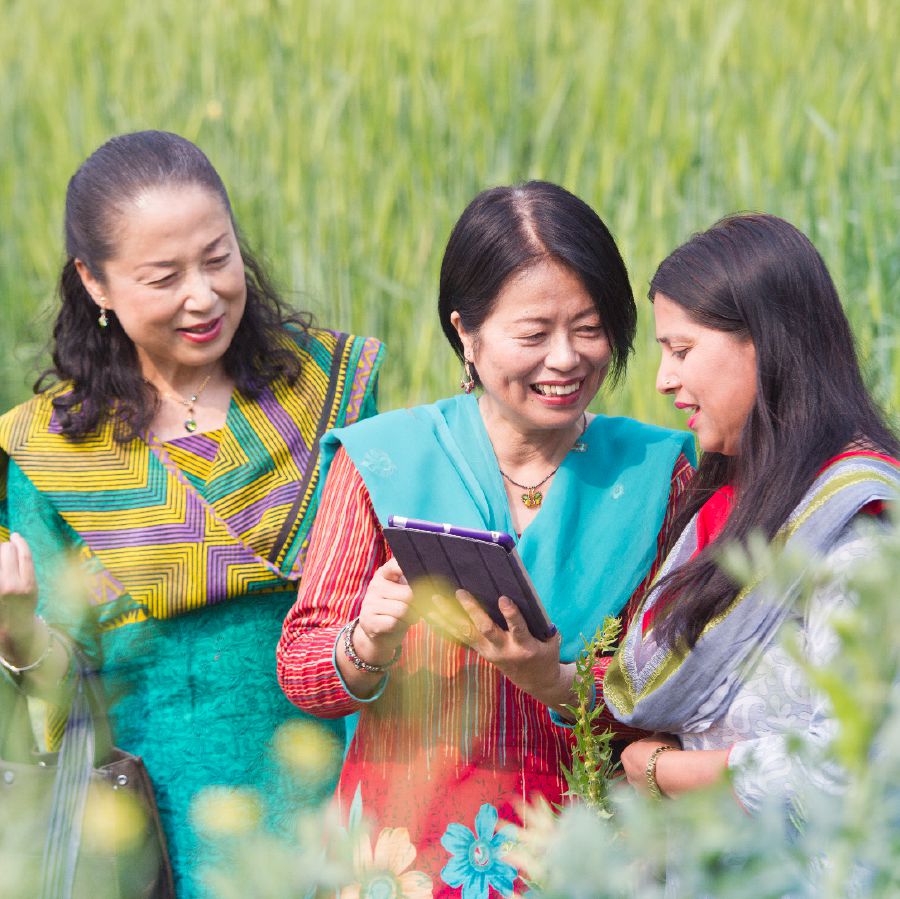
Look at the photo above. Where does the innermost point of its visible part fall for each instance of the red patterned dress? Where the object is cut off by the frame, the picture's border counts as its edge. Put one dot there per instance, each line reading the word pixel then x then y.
pixel 445 737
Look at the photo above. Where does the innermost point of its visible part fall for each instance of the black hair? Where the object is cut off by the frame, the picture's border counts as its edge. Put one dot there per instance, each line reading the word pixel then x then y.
pixel 506 230
pixel 101 366
pixel 758 277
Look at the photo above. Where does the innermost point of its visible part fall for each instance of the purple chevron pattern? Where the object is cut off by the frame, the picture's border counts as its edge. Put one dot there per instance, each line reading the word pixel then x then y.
pixel 233 519
pixel 368 358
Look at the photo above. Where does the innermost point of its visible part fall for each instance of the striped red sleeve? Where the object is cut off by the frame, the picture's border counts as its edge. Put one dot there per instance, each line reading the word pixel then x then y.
pixel 681 477
pixel 346 548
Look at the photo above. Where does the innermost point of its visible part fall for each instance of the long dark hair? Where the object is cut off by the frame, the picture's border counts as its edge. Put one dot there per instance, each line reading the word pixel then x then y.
pixel 100 366
pixel 758 277
pixel 506 230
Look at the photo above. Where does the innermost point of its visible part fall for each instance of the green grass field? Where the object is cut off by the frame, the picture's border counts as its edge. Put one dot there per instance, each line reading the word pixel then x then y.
pixel 352 134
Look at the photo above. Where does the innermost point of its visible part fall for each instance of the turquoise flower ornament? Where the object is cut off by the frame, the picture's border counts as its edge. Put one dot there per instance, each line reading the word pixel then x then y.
pixel 476 864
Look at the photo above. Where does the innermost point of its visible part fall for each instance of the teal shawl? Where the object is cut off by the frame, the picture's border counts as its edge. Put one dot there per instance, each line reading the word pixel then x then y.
pixel 593 540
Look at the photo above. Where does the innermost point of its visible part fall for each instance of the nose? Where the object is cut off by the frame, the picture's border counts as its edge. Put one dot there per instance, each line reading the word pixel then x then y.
pixel 666 377
pixel 562 355
pixel 199 295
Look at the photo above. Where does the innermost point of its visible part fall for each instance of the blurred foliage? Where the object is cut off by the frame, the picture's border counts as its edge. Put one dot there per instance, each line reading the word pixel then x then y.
pixel 115 861
pixel 593 766
pixel 704 844
pixel 352 135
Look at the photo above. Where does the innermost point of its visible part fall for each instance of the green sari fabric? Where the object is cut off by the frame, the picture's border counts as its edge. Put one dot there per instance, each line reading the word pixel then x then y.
pixel 193 690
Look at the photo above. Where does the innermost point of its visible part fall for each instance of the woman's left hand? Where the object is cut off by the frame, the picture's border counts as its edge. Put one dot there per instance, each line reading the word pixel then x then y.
pixel 636 755
pixel 676 772
pixel 19 628
pixel 532 665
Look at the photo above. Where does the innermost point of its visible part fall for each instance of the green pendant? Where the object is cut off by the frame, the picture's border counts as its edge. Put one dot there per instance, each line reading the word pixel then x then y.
pixel 190 425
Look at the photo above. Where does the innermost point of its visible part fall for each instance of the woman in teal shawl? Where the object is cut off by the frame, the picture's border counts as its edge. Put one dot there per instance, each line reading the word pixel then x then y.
pixel 455 726
pixel 756 347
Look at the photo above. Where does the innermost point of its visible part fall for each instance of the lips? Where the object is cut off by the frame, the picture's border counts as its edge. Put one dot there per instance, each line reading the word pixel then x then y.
pixel 558 393
pixel 692 420
pixel 204 332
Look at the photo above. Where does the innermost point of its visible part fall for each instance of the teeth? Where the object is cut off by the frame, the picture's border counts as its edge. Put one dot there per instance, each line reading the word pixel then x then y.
pixel 556 389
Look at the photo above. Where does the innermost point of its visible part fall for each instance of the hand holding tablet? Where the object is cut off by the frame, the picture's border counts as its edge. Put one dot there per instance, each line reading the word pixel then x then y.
pixel 484 563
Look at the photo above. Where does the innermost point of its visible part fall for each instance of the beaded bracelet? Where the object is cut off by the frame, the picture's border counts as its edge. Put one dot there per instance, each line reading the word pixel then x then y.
pixel 21 669
pixel 358 663
pixel 655 791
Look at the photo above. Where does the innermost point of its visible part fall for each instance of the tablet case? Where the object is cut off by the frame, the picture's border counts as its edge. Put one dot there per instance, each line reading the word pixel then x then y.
pixel 487 570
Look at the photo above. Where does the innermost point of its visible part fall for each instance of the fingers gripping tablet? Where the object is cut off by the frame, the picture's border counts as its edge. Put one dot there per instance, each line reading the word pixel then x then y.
pixel 485 563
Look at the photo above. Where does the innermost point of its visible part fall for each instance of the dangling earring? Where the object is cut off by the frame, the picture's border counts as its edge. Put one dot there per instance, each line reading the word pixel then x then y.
pixel 468 382
pixel 102 320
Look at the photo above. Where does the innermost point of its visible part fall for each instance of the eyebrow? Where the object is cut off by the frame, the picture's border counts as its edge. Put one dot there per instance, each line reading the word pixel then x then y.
pixel 539 320
pixel 531 320
pixel 171 263
pixel 675 338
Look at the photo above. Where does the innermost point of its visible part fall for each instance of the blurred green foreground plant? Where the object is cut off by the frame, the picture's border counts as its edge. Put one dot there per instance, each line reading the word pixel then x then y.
pixel 592 756
pixel 704 844
pixel 612 842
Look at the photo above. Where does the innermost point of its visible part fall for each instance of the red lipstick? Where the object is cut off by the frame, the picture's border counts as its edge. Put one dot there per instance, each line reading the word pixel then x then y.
pixel 210 331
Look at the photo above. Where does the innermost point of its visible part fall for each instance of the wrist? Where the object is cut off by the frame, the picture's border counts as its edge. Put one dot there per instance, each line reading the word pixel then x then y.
pixel 21 634
pixel 374 650
pixel 27 649
pixel 559 691
pixel 368 659
pixel 651 772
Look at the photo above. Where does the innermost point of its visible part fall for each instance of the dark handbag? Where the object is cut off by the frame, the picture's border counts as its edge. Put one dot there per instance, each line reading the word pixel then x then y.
pixel 43 798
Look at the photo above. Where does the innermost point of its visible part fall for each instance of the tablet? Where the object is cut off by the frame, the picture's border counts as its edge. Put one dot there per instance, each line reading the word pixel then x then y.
pixel 483 562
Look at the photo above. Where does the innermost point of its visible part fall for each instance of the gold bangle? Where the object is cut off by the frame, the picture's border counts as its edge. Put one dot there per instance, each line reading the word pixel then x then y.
pixel 650 772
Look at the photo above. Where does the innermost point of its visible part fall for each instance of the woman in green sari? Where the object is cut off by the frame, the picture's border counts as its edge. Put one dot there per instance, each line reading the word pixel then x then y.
pixel 172 452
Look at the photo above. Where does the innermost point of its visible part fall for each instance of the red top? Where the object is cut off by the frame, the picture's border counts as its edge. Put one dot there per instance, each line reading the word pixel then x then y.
pixel 449 733
pixel 714 513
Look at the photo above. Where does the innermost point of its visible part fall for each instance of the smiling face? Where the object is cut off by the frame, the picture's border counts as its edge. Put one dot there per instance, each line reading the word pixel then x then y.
pixel 176 281
pixel 710 373
pixel 542 353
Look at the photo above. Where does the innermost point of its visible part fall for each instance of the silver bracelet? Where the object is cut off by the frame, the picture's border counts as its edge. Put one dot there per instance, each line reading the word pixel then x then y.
pixel 21 669
pixel 358 663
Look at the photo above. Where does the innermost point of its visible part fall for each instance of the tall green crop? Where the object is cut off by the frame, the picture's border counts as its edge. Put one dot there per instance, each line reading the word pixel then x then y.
pixel 351 136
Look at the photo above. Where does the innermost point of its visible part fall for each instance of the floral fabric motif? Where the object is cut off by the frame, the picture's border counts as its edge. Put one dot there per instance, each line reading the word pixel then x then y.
pixel 379 462
pixel 476 864
pixel 383 873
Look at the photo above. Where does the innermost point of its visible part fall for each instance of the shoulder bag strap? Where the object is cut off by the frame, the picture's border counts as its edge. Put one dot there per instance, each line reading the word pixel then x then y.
pixel 76 761
pixel 16 736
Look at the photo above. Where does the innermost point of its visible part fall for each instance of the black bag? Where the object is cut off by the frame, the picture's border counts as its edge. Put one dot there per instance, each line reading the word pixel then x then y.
pixel 43 799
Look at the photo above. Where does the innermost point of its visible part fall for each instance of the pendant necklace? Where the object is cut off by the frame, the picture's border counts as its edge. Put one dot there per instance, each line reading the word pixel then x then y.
pixel 190 423
pixel 532 498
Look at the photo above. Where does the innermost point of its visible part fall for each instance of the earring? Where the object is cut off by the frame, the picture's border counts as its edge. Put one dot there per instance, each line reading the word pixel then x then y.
pixel 102 320
pixel 468 382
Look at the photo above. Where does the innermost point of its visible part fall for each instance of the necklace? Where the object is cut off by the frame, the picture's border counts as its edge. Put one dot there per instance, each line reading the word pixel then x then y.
pixel 190 423
pixel 532 498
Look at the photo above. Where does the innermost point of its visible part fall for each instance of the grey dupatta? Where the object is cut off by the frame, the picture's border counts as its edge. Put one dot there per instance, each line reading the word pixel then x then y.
pixel 656 688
